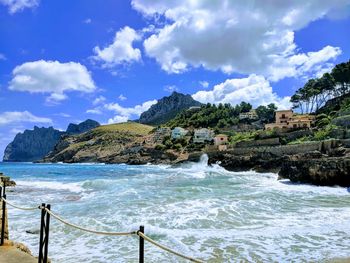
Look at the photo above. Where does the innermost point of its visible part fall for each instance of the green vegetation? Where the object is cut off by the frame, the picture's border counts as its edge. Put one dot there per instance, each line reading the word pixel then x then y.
pixel 125 127
pixel 219 116
pixel 243 136
pixel 316 92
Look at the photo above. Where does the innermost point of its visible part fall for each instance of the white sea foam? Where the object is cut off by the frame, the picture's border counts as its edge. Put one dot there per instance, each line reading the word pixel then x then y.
pixel 200 210
pixel 52 185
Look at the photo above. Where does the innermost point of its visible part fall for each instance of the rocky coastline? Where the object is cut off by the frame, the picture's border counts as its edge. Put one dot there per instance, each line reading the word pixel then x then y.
pixel 325 163
pixel 320 162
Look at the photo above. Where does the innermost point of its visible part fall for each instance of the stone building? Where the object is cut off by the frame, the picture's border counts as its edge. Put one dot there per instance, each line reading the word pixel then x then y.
pixel 286 119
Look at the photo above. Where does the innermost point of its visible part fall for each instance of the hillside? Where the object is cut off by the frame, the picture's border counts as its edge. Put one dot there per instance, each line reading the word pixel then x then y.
pixel 167 108
pixel 115 143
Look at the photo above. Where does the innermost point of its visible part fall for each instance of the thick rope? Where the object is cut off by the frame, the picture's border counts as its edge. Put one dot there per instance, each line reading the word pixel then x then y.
pixel 89 230
pixel 166 248
pixel 19 207
pixel 105 233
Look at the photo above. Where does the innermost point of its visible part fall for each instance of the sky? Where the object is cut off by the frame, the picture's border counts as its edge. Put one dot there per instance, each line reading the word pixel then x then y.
pixel 66 61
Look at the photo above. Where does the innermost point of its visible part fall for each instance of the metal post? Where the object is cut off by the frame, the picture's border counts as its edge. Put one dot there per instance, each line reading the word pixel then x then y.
pixel 47 229
pixel 142 246
pixel 42 229
pixel 3 195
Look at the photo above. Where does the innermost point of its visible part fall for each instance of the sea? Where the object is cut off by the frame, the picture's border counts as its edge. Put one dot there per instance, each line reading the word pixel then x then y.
pixel 202 211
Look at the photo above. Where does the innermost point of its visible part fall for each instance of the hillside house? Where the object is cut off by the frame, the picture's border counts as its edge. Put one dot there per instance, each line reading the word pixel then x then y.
pixel 203 135
pixel 160 134
pixel 220 139
pixel 178 133
pixel 250 115
pixel 286 119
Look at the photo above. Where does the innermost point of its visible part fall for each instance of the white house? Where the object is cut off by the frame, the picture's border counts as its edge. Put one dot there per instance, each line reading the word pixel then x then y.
pixel 251 115
pixel 178 133
pixel 203 135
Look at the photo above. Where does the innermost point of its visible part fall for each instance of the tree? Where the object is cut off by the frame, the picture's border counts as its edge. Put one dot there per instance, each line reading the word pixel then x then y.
pixel 266 113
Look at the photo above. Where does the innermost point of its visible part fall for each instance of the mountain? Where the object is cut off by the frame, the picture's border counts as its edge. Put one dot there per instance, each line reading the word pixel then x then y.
pixel 82 127
pixel 33 145
pixel 167 108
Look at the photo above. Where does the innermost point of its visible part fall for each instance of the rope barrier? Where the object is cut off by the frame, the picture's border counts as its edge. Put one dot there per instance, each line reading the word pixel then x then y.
pixel 105 233
pixel 89 230
pixel 19 207
pixel 166 248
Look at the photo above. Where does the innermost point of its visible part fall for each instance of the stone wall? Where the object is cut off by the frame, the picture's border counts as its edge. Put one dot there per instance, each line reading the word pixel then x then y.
pixel 257 143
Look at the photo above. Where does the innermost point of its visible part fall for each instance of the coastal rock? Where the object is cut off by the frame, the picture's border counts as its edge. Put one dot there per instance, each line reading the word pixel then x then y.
pixel 167 108
pixel 318 171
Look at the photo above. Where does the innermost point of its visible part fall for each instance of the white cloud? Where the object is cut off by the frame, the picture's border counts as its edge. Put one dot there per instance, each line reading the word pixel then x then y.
pixel 204 84
pixel 18 5
pixel 254 89
pixel 2 56
pixel 99 100
pixel 118 119
pixel 121 50
pixel 52 77
pixel 126 113
pixel 122 97
pixel 96 111
pixel 235 36
pixel 87 21
pixel 170 88
pixel 10 117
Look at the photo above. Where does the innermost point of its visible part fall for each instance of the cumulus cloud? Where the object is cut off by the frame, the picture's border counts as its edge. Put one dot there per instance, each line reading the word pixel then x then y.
pixel 236 36
pixel 121 50
pixel 18 5
pixel 204 84
pixel 52 77
pixel 126 113
pixel 122 97
pixel 254 89
pixel 99 100
pixel 11 117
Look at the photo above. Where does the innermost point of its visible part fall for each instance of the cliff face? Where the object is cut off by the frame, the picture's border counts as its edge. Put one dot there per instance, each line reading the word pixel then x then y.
pixel 167 108
pixel 33 145
pixel 82 127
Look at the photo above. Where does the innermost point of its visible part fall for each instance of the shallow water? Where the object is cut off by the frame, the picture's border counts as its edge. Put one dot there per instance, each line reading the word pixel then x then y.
pixel 205 212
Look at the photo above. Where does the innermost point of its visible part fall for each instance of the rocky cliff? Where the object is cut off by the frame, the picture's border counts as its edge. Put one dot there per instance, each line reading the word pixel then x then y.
pixel 82 127
pixel 33 145
pixel 167 108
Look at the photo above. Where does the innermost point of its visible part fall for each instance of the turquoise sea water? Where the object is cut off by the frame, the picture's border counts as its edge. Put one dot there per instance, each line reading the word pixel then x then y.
pixel 205 212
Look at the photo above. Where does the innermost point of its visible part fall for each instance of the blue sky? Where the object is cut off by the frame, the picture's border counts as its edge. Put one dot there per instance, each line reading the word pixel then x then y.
pixel 66 61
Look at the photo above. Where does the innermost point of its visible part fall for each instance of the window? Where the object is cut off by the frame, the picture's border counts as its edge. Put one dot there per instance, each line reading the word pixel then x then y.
pixel 283 116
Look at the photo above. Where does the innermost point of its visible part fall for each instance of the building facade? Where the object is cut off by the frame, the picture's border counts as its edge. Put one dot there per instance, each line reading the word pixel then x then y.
pixel 203 135
pixel 286 119
pixel 250 115
pixel 220 139
pixel 178 133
